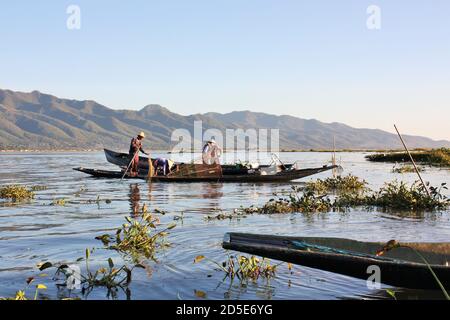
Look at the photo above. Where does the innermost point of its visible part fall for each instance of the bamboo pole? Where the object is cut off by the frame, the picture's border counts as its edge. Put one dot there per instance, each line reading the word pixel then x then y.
pixel 129 165
pixel 412 160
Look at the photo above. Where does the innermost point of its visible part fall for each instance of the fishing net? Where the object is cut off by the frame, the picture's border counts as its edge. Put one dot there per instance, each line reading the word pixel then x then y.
pixel 197 170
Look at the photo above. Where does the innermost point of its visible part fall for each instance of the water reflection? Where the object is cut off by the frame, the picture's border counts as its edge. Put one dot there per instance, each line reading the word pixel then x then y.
pixel 134 198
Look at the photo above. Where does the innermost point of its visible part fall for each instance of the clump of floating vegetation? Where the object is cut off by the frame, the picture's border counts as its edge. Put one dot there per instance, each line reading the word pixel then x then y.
pixel 338 184
pixel 435 157
pixel 16 193
pixel 236 214
pixel 406 169
pixel 21 294
pixel 38 188
pixel 138 236
pixel 393 195
pixel 398 195
pixel 112 277
pixel 59 202
pixel 306 202
pixel 244 268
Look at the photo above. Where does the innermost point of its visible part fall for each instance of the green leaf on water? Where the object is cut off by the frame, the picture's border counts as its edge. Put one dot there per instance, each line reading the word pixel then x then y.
pixel 42 266
pixel 111 263
pixel 391 293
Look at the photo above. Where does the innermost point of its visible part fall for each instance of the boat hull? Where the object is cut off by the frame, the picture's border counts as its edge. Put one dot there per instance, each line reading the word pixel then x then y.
pixel 401 267
pixel 283 176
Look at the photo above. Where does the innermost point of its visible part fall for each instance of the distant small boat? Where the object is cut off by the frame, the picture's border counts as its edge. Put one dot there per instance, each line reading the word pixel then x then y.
pixel 399 267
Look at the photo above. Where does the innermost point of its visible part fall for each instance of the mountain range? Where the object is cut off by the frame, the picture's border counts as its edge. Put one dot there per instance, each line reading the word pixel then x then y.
pixel 41 121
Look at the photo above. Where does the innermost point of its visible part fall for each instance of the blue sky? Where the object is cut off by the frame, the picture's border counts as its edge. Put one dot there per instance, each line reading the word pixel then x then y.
pixel 312 59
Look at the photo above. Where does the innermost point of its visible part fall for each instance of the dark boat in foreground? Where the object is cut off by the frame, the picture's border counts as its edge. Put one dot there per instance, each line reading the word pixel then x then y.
pixel 399 267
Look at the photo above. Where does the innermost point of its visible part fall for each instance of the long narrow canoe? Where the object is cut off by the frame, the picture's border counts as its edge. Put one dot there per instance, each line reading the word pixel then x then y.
pixel 399 267
pixel 282 176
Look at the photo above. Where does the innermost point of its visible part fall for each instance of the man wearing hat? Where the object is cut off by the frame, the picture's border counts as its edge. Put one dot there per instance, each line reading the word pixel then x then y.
pixel 211 152
pixel 135 147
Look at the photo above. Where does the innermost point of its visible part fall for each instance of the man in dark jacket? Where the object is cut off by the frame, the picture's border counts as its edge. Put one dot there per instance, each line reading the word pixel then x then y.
pixel 135 147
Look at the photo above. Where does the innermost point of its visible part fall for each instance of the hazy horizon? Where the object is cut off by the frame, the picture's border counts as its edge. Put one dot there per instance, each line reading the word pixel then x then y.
pixel 312 60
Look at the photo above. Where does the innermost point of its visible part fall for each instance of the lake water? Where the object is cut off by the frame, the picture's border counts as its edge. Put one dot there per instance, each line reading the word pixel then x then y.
pixel 35 232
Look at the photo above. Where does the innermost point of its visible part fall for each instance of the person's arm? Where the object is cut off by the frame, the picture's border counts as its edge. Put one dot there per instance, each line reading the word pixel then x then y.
pixel 142 150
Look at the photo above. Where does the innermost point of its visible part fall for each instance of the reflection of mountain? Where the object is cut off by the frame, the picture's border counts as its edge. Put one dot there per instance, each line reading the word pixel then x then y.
pixel 36 120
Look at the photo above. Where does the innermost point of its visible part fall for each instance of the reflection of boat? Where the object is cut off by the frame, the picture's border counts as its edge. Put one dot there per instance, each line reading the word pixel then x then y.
pixel 399 267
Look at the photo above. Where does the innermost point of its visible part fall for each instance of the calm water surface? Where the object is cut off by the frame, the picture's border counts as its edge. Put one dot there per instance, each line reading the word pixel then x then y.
pixel 30 233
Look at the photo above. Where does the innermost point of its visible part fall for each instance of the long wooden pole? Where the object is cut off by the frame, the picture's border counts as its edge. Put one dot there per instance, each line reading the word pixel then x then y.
pixel 412 160
pixel 129 165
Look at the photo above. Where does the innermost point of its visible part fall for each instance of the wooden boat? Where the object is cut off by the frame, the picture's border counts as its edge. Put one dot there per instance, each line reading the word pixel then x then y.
pixel 400 267
pixel 205 173
pixel 122 160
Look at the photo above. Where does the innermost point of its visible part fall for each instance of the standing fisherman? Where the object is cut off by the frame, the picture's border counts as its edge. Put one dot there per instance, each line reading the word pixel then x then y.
pixel 135 147
pixel 211 153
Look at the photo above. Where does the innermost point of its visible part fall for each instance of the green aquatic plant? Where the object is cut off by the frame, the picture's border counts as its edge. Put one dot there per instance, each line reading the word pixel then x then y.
pixel 349 183
pixel 393 195
pixel 111 277
pixel 21 294
pixel 398 195
pixel 59 202
pixel 434 157
pixel 406 169
pixel 38 188
pixel 16 193
pixel 236 214
pixel 296 201
pixel 393 244
pixel 138 236
pixel 244 268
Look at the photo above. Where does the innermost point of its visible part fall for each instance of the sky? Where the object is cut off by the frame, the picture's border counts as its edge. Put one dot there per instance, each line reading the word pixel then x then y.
pixel 311 59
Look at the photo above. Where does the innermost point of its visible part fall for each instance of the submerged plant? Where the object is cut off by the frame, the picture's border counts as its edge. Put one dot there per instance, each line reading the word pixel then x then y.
pixel 16 193
pixel 138 236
